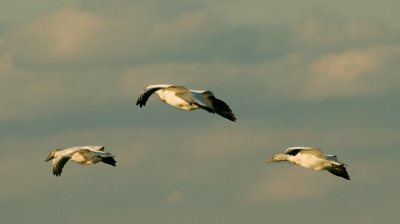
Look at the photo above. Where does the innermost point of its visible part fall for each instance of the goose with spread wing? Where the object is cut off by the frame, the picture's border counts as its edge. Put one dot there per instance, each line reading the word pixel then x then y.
pixel 312 158
pixel 186 99
pixel 79 154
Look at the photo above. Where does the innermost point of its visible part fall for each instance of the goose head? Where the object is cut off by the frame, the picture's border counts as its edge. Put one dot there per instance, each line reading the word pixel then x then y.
pixel 51 155
pixel 277 158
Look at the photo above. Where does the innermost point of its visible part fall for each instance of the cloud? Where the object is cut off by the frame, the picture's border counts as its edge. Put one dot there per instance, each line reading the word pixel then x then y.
pixel 76 36
pixel 27 93
pixel 289 184
pixel 6 64
pixel 60 36
pixel 175 197
pixel 21 90
pixel 317 30
pixel 353 72
pixel 82 36
pixel 347 66
pixel 126 50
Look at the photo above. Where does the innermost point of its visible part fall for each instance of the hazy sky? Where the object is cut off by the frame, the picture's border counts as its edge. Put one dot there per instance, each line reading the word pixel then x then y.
pixel 295 73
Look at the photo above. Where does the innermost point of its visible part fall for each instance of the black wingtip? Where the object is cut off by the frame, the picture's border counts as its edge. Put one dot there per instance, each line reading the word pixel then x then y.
pixel 109 160
pixel 141 102
pixel 57 173
pixel 340 171
pixel 223 109
pixel 228 116
pixel 345 176
pixel 144 96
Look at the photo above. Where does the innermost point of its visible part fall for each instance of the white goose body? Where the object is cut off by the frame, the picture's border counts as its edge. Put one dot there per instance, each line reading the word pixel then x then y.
pixel 312 158
pixel 168 95
pixel 186 99
pixel 80 154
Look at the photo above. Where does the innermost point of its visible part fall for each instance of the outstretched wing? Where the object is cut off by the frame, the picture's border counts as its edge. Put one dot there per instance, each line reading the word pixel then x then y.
pixel 182 92
pixel 146 93
pixel 58 164
pixel 292 151
pixel 93 147
pixel 305 150
pixel 219 106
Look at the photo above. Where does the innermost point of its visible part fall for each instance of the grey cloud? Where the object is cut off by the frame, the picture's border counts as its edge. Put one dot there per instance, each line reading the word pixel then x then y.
pixel 126 34
pixel 191 34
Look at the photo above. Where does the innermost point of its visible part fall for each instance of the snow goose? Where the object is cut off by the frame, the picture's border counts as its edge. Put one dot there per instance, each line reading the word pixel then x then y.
pixel 313 158
pixel 79 154
pixel 186 99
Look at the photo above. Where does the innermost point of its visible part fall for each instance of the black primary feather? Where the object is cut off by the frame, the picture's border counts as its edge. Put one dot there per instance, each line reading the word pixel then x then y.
pixel 293 152
pixel 109 160
pixel 57 168
pixel 339 170
pixel 222 108
pixel 144 96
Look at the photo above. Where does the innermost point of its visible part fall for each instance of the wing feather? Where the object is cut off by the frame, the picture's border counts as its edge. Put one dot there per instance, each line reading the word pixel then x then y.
pixel 305 150
pixel 183 93
pixel 58 164
pixel 93 147
pixel 219 106
pixel 292 152
pixel 145 94
pixel 109 160
pixel 339 170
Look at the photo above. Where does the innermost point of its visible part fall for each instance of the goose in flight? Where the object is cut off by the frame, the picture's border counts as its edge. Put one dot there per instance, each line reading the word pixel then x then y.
pixel 186 99
pixel 313 158
pixel 79 154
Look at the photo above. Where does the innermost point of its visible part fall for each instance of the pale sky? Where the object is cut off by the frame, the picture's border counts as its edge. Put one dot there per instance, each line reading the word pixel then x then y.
pixel 295 73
